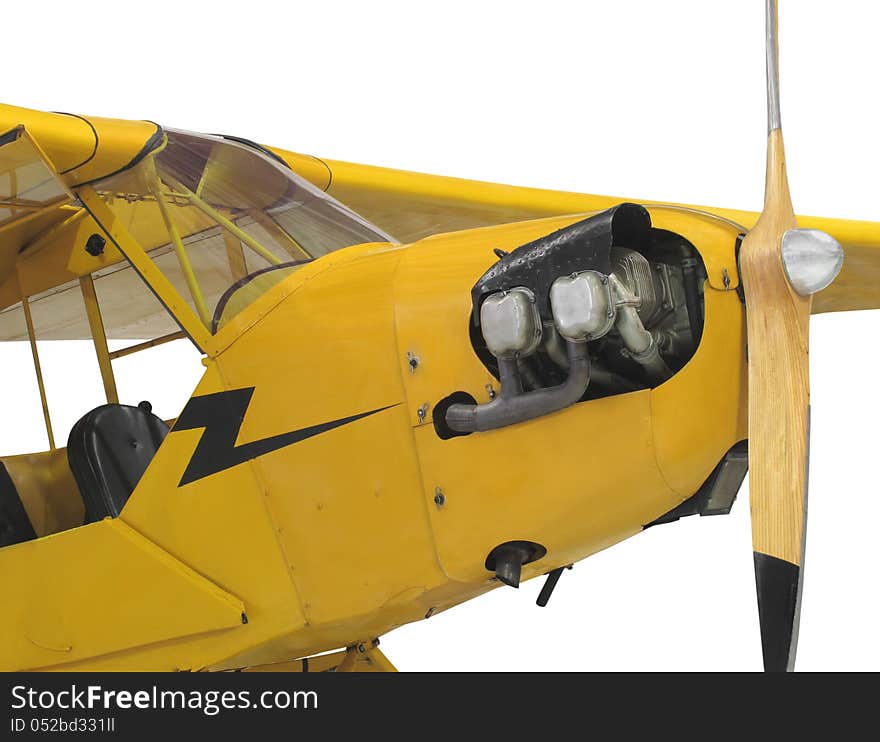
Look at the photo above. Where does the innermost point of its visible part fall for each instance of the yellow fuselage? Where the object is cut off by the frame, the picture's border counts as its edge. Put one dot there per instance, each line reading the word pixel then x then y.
pixel 338 538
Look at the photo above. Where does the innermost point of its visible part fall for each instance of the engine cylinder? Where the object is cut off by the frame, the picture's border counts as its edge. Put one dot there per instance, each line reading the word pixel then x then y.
pixel 634 271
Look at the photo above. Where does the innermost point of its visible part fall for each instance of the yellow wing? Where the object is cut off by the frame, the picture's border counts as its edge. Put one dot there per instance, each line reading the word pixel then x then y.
pixel 411 206
pixel 38 230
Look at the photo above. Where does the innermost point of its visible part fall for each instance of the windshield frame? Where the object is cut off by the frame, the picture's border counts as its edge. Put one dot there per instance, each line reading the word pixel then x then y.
pixel 197 321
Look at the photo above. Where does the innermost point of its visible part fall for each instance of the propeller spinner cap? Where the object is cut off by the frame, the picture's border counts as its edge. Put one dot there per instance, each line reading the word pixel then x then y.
pixel 812 259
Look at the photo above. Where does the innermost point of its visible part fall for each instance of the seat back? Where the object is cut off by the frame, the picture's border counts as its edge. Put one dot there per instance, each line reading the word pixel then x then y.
pixel 15 526
pixel 109 449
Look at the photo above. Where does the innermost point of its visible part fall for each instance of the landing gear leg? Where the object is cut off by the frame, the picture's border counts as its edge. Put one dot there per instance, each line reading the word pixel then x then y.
pixel 365 657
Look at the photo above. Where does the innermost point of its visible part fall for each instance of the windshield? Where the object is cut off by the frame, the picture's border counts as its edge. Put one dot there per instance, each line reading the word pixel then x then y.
pixel 225 222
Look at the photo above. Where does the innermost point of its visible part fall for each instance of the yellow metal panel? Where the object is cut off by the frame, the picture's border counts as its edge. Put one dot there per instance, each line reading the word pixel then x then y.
pixel 220 526
pixel 353 528
pixel 236 326
pixel 98 589
pixel 701 411
pixel 576 481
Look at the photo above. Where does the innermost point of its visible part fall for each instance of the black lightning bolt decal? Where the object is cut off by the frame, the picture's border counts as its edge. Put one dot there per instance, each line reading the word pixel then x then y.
pixel 221 415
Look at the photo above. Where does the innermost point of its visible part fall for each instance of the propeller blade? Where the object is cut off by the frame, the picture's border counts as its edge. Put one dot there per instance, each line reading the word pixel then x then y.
pixel 779 396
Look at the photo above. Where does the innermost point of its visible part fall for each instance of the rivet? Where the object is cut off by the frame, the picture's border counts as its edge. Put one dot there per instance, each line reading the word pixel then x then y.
pixel 422 412
pixel 439 498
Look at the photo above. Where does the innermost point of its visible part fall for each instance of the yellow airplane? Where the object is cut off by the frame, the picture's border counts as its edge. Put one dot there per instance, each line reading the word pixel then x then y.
pixel 416 389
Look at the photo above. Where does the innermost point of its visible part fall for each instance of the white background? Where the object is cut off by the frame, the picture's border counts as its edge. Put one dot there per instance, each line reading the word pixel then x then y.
pixel 661 100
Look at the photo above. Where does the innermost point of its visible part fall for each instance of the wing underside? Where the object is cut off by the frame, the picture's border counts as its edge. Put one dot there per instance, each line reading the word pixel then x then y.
pixel 412 206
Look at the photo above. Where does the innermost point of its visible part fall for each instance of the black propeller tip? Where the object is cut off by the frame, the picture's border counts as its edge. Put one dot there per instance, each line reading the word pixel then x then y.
pixel 778 583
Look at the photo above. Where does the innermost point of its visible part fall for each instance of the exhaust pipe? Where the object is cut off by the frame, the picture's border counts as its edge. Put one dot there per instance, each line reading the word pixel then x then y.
pixel 514 406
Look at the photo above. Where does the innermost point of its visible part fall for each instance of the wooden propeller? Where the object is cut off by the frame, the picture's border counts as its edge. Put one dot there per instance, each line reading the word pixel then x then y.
pixel 779 392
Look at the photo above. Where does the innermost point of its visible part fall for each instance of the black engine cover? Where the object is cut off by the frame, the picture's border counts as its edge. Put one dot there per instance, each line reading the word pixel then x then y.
pixel 585 245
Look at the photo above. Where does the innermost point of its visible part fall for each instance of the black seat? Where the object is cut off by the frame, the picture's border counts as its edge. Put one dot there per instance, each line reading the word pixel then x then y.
pixel 109 450
pixel 15 526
